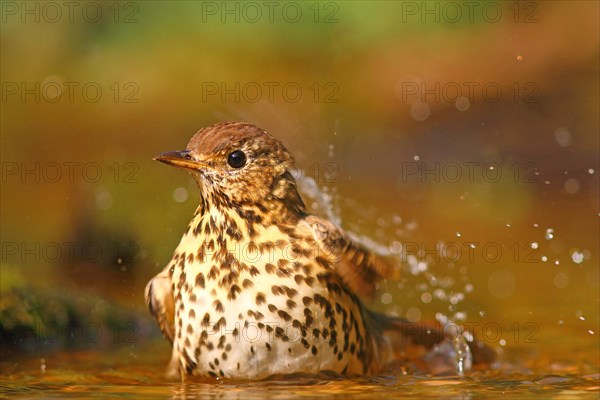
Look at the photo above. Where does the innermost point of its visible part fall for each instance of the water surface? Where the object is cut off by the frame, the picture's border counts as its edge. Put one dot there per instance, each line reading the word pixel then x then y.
pixel 136 372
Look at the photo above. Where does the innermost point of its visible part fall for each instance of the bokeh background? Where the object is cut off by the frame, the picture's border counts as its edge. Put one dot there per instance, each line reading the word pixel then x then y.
pixel 427 128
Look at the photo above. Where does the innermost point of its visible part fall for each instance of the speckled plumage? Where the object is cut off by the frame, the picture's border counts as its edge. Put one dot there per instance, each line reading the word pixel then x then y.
pixel 257 286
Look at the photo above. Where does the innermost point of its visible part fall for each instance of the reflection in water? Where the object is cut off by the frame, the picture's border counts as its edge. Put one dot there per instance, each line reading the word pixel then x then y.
pixel 135 371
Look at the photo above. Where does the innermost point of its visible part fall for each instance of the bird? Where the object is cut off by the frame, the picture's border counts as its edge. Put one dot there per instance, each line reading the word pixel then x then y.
pixel 258 286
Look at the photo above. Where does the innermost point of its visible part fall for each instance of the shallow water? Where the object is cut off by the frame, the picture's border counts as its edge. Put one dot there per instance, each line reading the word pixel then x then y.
pixel 136 371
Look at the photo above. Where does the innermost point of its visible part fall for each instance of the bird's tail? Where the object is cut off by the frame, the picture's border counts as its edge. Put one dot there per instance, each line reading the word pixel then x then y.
pixel 432 348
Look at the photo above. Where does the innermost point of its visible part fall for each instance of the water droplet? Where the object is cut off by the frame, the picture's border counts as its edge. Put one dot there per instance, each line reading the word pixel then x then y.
pixel 395 247
pixel 441 318
pixel 502 342
pixel 456 298
pixel 386 298
pixel 180 194
pixel 413 314
pixel 420 111
pixel 439 294
pixel 463 358
pixel 591 171
pixel 462 103
pixel 577 257
pixel 419 267
pixel 572 186
pixel 458 234
pixel 416 158
pixel 534 245
pixel 426 297
pixel 460 316
pixel 563 137
pixel 544 258
pixel 104 199
pixel 411 226
pixel 549 234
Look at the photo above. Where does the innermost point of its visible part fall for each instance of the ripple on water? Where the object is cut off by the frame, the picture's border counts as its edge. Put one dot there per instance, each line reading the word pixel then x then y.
pixel 137 372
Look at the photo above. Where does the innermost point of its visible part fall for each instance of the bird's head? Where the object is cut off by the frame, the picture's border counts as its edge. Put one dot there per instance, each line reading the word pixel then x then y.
pixel 238 164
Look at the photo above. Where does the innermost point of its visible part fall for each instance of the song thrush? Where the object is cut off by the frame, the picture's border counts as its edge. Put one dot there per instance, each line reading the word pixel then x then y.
pixel 259 287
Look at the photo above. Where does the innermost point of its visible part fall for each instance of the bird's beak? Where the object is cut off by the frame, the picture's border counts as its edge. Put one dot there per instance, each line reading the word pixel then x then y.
pixel 182 159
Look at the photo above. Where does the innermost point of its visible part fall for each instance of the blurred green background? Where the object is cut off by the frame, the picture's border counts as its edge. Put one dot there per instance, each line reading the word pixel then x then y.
pixel 368 96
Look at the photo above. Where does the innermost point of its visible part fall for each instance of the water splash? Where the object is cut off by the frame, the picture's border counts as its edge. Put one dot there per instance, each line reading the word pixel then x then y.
pixel 463 359
pixel 322 200
pixel 451 356
pixel 416 276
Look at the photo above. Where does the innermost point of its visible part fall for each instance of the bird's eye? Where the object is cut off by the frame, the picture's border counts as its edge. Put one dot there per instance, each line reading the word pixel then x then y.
pixel 236 159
